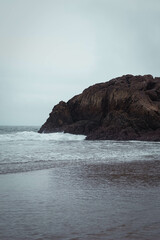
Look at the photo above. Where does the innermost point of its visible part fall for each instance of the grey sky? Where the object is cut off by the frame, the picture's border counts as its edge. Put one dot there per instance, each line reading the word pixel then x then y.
pixel 50 50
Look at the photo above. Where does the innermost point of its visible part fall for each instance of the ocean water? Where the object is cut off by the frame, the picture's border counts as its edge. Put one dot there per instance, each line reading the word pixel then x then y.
pixel 60 186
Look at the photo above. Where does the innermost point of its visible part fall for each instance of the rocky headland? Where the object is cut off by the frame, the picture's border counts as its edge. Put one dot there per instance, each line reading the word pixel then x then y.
pixel 124 108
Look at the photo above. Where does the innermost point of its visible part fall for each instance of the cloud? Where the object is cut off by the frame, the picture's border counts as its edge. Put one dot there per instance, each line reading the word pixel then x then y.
pixel 52 50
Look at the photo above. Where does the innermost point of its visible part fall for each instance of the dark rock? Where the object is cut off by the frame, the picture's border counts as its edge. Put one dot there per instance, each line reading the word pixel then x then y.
pixel 125 108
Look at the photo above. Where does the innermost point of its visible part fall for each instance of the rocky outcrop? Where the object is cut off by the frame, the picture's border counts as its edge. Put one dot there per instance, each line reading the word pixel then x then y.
pixel 125 108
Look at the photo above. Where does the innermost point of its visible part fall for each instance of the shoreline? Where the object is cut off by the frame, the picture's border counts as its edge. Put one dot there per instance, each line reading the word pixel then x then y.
pixel 79 202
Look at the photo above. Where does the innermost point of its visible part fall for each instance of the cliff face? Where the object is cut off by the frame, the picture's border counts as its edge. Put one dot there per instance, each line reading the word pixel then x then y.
pixel 125 108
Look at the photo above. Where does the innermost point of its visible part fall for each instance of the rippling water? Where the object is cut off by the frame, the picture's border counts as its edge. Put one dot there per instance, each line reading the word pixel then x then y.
pixel 59 186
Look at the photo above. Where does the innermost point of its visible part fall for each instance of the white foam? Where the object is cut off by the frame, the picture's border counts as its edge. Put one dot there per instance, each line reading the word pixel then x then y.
pixel 34 136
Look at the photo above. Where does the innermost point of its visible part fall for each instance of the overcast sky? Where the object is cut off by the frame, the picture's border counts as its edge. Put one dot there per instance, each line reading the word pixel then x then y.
pixel 50 50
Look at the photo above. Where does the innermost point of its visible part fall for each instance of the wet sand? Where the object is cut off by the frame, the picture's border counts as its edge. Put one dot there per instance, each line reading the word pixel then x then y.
pixel 82 201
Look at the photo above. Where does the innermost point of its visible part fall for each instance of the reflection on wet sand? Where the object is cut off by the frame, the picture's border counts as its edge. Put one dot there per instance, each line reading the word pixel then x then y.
pixel 140 173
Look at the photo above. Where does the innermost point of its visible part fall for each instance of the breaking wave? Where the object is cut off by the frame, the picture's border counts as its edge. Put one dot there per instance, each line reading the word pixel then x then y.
pixel 34 136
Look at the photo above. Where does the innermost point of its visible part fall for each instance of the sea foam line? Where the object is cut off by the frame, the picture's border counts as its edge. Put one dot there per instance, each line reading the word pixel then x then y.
pixel 34 136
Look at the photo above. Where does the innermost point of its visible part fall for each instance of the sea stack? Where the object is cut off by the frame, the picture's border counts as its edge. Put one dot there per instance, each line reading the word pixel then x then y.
pixel 124 108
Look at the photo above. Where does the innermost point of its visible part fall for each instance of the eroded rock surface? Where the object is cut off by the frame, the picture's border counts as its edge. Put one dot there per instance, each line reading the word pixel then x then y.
pixel 125 108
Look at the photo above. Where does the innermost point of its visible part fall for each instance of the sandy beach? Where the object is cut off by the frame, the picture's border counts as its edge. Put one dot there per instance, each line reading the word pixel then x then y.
pixel 77 203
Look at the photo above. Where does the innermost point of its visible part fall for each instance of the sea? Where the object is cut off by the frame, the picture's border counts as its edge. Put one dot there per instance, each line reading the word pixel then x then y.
pixel 59 186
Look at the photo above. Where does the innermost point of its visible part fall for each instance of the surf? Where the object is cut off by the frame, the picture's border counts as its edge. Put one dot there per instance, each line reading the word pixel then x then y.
pixel 34 136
